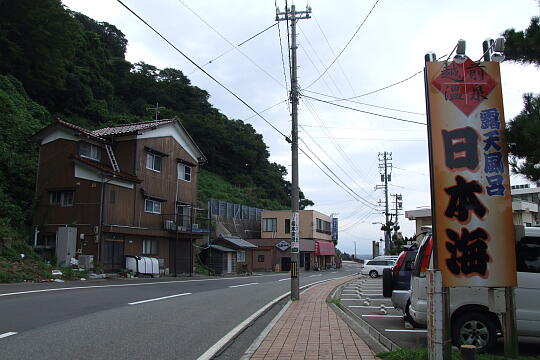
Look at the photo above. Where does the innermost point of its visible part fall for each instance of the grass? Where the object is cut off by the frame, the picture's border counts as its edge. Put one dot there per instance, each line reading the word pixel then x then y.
pixel 334 301
pixel 31 267
pixel 422 354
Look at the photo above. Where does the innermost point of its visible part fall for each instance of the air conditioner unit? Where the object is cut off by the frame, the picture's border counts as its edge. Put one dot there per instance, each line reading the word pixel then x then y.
pixel 168 225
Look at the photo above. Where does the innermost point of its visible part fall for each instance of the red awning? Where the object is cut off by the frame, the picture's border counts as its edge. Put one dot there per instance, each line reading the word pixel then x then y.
pixel 324 248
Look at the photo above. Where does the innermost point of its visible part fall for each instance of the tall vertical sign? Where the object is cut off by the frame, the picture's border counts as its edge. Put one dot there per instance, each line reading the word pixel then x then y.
pixel 335 229
pixel 471 184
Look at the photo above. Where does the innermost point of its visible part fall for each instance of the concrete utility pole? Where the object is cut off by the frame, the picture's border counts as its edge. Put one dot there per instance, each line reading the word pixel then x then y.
pixel 385 169
pixel 398 205
pixel 290 14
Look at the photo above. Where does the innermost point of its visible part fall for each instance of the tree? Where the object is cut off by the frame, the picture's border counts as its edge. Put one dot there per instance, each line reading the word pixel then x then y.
pixel 522 132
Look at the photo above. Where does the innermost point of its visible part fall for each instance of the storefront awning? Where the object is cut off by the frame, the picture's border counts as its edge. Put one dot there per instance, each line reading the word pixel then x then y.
pixel 324 248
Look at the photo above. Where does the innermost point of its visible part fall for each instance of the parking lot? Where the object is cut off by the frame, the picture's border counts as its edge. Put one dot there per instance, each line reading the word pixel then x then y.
pixel 363 297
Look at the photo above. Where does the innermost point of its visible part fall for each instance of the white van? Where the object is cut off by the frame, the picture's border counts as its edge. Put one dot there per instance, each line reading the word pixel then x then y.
pixel 472 322
pixel 374 268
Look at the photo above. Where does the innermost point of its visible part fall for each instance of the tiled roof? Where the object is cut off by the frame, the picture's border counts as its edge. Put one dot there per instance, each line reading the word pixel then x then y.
pixel 221 248
pixel 105 168
pixel 79 129
pixel 131 128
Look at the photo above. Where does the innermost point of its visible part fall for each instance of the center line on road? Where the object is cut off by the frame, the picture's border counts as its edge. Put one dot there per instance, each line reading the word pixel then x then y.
pixel 315 275
pixel 156 299
pixel 7 334
pixel 283 279
pixel 234 286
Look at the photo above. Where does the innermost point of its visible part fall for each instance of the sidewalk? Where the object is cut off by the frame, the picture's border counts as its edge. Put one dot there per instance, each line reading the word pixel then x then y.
pixel 309 329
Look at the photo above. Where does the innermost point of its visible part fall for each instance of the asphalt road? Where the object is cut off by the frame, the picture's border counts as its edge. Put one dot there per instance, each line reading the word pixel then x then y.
pixel 169 318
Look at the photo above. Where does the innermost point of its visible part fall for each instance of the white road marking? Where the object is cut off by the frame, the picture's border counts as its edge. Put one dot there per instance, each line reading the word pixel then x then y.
pixel 7 334
pixel 156 299
pixel 125 285
pixel 234 286
pixel 363 299
pixel 284 279
pixel 389 316
pixel 407 330
pixel 363 306
pixel 315 275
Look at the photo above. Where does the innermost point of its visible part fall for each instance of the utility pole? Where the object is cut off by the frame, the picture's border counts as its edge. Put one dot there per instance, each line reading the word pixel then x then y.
pixel 292 16
pixel 385 169
pixel 398 205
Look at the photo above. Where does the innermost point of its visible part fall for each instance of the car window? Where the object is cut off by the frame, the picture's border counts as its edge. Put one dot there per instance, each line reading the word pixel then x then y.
pixel 389 262
pixel 369 262
pixel 528 255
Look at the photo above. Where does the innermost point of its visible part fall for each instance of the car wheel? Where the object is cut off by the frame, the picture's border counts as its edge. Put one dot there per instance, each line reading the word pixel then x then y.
pixel 475 328
pixel 373 274
pixel 387 283
pixel 409 318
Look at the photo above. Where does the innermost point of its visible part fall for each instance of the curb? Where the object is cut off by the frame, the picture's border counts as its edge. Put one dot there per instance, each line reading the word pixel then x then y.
pixel 223 343
pixel 376 340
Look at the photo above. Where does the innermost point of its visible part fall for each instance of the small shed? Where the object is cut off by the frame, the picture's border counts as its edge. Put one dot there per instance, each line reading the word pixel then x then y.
pixel 219 259
pixel 244 251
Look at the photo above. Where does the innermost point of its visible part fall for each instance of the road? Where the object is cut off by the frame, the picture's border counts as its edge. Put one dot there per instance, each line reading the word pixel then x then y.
pixel 168 318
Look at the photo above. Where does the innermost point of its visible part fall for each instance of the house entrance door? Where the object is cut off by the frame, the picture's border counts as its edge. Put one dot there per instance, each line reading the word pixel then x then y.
pixel 113 255
pixel 307 261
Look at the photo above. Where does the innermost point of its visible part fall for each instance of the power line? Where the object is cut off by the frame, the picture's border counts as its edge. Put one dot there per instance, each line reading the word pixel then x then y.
pixel 230 43
pixel 363 111
pixel 365 139
pixel 282 58
pixel 231 49
pixel 268 108
pixel 345 47
pixel 365 104
pixel 364 129
pixel 204 71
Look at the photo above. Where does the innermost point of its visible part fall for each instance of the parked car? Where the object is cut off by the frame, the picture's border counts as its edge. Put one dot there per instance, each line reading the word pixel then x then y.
pixel 397 281
pixel 374 268
pixel 471 320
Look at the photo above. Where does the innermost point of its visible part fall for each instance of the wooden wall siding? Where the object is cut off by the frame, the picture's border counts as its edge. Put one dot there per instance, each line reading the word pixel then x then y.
pixel 163 184
pixel 125 152
pixel 122 212
pixel 267 264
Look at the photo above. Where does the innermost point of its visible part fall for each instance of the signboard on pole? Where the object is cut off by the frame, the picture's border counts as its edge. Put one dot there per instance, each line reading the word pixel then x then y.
pixel 335 229
pixel 473 208
pixel 295 235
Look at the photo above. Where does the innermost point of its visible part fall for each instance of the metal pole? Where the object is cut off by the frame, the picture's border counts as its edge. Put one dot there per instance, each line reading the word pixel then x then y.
pixel 510 334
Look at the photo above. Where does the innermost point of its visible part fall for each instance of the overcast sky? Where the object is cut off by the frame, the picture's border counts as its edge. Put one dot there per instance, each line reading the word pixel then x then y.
pixel 389 47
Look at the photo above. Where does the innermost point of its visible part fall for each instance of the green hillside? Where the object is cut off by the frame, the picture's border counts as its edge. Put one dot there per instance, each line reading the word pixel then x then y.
pixel 58 63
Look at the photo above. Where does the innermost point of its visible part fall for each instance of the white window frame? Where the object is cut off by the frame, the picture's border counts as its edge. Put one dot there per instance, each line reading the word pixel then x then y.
pixel 184 172
pixel 95 151
pixel 241 256
pixel 155 207
pixel 62 198
pixel 151 162
pixel 272 222
pixel 150 247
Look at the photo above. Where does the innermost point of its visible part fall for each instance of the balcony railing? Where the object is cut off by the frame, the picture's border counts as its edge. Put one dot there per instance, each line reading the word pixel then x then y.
pixel 186 224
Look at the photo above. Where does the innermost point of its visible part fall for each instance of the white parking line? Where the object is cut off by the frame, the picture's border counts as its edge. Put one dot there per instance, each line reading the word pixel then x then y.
pixel 234 286
pixel 407 330
pixel 156 299
pixel 363 299
pixel 7 334
pixel 389 316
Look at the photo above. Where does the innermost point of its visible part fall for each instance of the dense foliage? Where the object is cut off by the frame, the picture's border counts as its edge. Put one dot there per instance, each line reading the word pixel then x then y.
pixel 523 130
pixel 74 68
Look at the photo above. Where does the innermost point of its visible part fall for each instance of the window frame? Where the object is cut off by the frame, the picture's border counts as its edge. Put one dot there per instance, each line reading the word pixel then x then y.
pixel 152 248
pixel 183 173
pixel 240 256
pixel 61 197
pixel 260 258
pixel 151 164
pixel 91 147
pixel 154 202
pixel 287 226
pixel 273 222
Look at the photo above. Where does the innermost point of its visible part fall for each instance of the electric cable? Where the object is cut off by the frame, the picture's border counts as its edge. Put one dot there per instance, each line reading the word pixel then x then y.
pixel 204 71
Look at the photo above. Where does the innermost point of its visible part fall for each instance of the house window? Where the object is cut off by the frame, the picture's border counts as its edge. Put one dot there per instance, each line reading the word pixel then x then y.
pixel 63 198
pixel 184 172
pixel 323 226
pixel 287 226
pixel 90 151
pixel 184 217
pixel 269 225
pixel 150 247
pixel 152 206
pixel 241 256
pixel 260 258
pixel 153 162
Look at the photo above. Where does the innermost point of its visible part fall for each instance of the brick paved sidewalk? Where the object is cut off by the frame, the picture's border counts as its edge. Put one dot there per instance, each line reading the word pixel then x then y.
pixel 310 329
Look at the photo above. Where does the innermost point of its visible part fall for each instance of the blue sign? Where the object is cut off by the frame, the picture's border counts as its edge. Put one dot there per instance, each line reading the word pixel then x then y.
pixel 335 229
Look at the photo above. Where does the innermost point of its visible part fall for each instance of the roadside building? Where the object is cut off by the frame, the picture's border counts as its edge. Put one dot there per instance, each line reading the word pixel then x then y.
pixel 122 190
pixel 317 250
pixel 525 206
pixel 228 255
